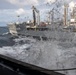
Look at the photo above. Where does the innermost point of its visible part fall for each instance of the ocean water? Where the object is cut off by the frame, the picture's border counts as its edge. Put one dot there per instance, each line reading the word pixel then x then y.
pixel 52 54
pixel 3 24
pixel 3 30
pixel 46 54
pixel 3 27
pixel 4 39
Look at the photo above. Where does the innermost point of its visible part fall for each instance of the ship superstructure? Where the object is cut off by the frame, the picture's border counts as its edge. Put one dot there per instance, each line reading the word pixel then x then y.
pixel 45 30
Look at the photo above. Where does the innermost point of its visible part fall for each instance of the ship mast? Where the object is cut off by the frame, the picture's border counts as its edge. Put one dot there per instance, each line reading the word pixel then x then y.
pixel 36 19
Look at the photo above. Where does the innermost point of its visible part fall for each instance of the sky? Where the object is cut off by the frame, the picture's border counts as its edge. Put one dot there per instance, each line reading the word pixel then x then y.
pixel 10 9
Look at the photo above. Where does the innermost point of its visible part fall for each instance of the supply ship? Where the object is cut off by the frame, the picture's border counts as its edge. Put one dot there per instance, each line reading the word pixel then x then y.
pixel 58 30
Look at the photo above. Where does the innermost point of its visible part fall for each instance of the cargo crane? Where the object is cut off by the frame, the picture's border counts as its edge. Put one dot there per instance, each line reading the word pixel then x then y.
pixel 59 15
pixel 54 10
pixel 52 13
pixel 73 15
pixel 65 14
pixel 50 16
pixel 74 12
pixel 36 19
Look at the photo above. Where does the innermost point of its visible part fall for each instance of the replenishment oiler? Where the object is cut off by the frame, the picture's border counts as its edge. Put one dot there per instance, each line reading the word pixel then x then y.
pixel 59 30
pixel 59 50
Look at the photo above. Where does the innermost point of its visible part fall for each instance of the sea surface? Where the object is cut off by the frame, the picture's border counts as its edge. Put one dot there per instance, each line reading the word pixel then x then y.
pixel 3 30
pixel 51 54
pixel 4 37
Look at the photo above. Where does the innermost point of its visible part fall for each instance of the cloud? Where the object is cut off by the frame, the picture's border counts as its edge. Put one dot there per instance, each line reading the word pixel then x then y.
pixel 49 1
pixel 23 2
pixel 71 5
pixel 10 15
pixel 20 11
pixel 7 15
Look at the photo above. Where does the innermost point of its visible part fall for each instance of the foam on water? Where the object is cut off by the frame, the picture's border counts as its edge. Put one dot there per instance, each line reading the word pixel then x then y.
pixel 46 54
